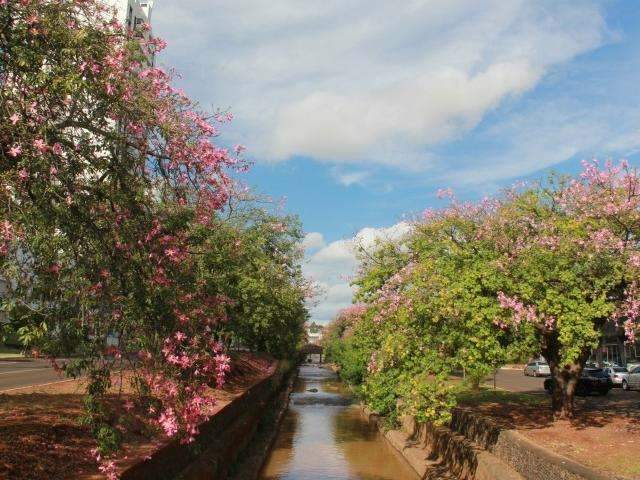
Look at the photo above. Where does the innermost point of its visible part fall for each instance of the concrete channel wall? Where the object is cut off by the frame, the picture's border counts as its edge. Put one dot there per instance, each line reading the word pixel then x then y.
pixel 224 438
pixel 475 448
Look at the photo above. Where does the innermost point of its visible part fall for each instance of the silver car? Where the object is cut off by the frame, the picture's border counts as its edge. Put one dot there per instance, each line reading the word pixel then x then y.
pixel 632 364
pixel 633 380
pixel 619 375
pixel 537 369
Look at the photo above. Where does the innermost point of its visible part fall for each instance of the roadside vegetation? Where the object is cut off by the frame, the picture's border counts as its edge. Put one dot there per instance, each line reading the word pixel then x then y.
pixel 540 269
pixel 125 241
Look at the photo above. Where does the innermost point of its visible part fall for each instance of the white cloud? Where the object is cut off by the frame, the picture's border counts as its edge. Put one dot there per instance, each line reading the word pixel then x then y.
pixel 313 240
pixel 548 134
pixel 418 111
pixel 368 81
pixel 350 178
pixel 333 266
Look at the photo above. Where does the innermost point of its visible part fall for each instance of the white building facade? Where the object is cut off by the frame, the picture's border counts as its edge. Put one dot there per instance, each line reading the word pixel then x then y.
pixel 133 13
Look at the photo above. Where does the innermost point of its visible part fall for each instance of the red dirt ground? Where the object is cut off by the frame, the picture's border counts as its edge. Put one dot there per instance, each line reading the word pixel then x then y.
pixel 41 437
pixel 605 435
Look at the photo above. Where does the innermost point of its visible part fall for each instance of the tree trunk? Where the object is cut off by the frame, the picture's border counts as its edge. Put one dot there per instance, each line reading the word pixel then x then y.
pixel 566 381
pixel 474 383
pixel 565 378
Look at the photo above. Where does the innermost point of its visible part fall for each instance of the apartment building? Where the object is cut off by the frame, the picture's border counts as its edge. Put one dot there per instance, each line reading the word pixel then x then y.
pixel 133 13
pixel 314 333
pixel 614 347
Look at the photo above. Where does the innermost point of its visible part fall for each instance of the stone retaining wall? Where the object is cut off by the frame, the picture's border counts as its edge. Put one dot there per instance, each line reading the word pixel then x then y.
pixel 531 460
pixel 254 456
pixel 474 447
pixel 440 453
pixel 221 440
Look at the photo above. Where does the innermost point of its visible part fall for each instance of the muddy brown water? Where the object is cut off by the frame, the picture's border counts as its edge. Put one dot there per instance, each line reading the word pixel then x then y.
pixel 324 437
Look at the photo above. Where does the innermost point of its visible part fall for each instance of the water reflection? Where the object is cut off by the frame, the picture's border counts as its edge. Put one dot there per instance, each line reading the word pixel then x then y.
pixel 322 438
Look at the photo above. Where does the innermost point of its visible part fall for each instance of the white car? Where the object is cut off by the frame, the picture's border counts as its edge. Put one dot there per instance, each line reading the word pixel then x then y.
pixel 633 380
pixel 537 369
pixel 618 375
pixel 633 364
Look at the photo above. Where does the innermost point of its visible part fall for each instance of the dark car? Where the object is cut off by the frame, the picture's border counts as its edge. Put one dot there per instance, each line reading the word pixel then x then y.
pixel 592 380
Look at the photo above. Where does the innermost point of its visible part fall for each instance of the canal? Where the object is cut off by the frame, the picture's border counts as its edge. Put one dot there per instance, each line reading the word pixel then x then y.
pixel 324 437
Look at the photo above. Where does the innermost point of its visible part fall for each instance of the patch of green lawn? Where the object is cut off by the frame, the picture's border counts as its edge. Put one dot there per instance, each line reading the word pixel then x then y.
pixel 468 396
pixel 9 352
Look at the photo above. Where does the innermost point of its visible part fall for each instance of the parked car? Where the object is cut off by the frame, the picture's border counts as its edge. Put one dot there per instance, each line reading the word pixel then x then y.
pixel 592 380
pixel 537 369
pixel 606 364
pixel 618 375
pixel 633 364
pixel 633 379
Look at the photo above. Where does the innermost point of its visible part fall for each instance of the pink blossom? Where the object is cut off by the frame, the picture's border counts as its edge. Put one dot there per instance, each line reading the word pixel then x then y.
pixel 109 469
pixel 40 145
pixel 15 118
pixel 520 311
pixel 634 260
pixel 15 150
pixel 168 422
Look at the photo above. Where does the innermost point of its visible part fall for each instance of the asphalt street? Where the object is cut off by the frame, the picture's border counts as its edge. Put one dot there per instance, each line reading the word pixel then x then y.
pixel 39 372
pixel 515 381
pixel 26 373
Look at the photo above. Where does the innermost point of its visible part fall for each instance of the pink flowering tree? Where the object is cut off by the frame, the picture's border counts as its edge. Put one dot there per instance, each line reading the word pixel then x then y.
pixel 542 269
pixel 435 315
pixel 111 184
pixel 570 252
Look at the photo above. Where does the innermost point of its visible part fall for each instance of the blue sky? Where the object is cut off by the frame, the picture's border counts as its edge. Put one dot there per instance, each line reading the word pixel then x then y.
pixel 358 111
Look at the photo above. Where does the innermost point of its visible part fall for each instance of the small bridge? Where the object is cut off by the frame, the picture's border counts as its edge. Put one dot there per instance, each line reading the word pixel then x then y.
pixel 312 353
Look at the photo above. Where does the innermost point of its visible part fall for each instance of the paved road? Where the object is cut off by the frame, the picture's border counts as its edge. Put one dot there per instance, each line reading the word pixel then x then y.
pixel 26 373
pixel 515 381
